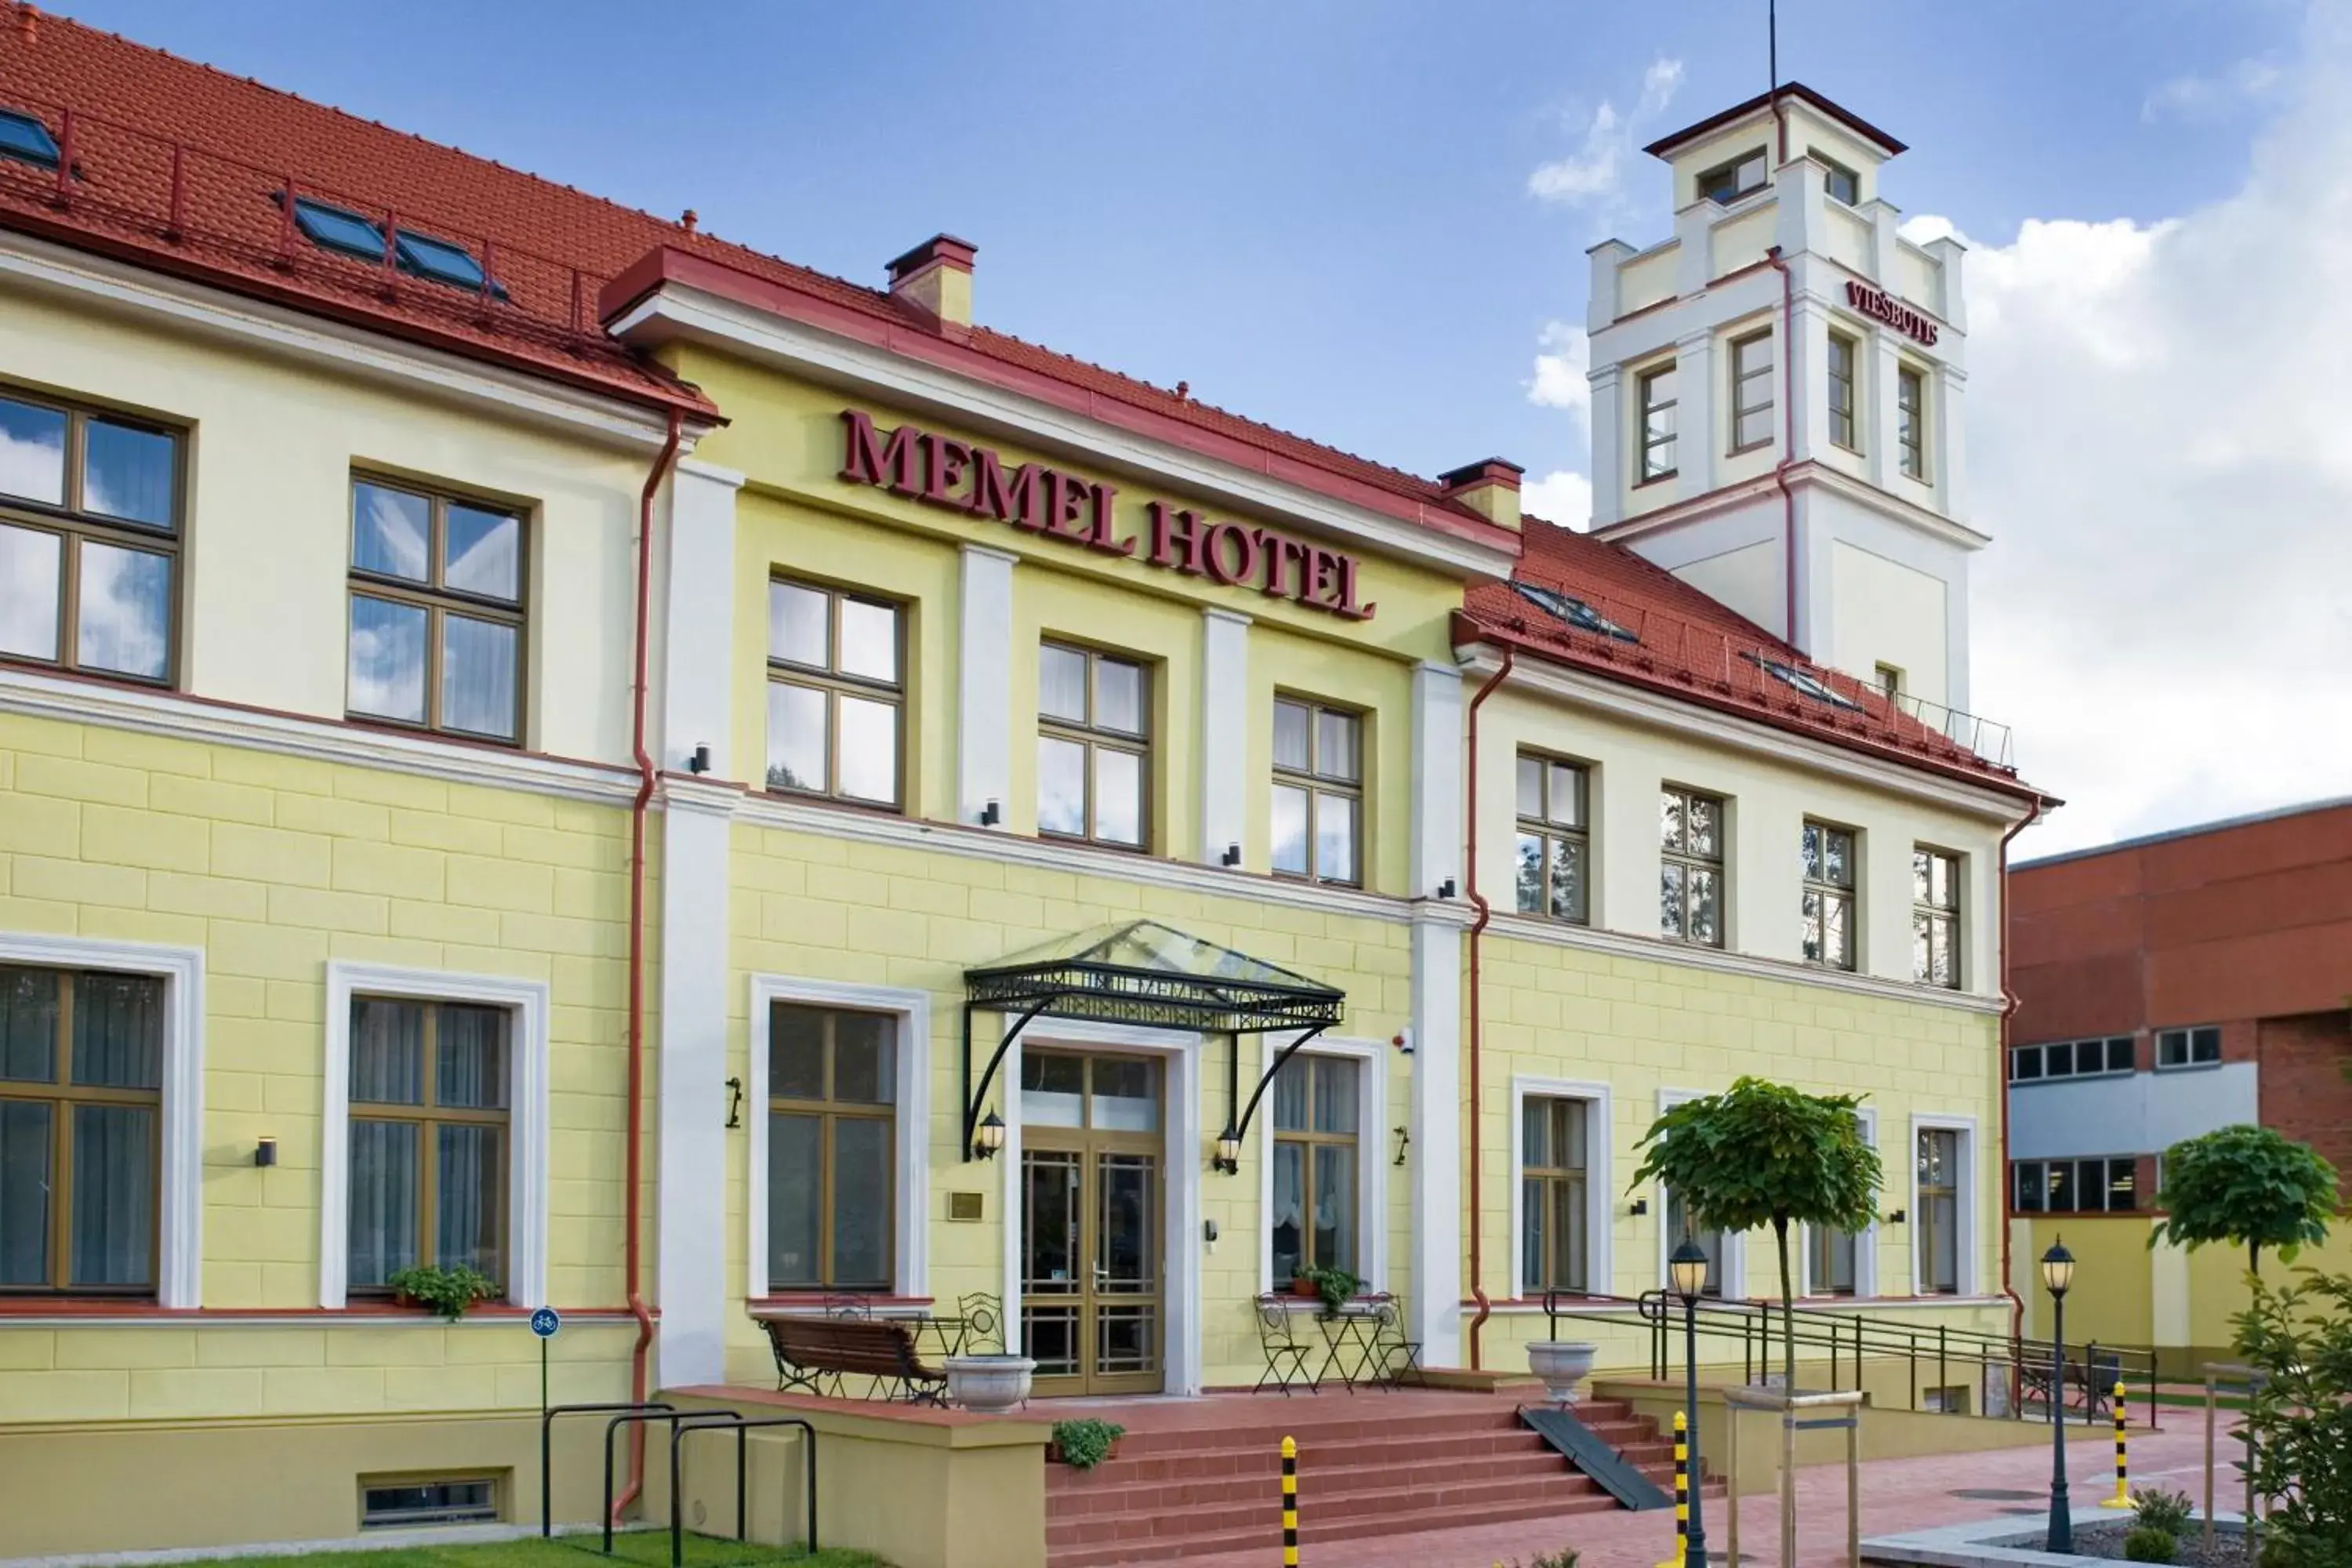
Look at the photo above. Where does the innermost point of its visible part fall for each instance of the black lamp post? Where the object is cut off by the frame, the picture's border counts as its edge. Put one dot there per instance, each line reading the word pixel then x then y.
pixel 2058 1278
pixel 1687 1270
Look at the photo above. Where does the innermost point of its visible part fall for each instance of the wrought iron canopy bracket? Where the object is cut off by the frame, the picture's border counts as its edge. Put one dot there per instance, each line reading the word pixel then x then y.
pixel 1240 1125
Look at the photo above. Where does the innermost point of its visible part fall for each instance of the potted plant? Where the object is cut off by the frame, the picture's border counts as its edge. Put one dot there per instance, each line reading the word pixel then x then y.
pixel 989 1384
pixel 1085 1443
pixel 1562 1365
pixel 1302 1284
pixel 444 1291
pixel 1334 1287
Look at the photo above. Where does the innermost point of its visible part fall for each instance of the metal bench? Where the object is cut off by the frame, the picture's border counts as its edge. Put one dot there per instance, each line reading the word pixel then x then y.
pixel 814 1354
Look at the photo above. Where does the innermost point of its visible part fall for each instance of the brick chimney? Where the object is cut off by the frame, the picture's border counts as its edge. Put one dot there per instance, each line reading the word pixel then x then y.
pixel 1490 488
pixel 936 279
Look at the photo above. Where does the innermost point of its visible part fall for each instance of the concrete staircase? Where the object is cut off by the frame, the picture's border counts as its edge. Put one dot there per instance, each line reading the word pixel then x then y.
pixel 1367 1466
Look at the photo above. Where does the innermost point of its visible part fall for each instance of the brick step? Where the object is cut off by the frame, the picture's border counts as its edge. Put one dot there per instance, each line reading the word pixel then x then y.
pixel 1267 1534
pixel 1635 1440
pixel 1319 1428
pixel 1328 1488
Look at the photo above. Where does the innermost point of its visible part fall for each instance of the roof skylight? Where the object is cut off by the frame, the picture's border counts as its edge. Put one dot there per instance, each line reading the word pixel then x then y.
pixel 420 254
pixel 27 140
pixel 1573 611
pixel 1812 685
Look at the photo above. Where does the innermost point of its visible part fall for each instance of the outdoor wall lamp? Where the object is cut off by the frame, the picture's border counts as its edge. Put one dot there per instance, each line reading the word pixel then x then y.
pixel 1232 857
pixel 265 1153
pixel 734 1103
pixel 699 762
pixel 1899 1217
pixel 989 1137
pixel 1228 1158
pixel 990 815
pixel 1638 1207
pixel 1404 1141
pixel 1445 889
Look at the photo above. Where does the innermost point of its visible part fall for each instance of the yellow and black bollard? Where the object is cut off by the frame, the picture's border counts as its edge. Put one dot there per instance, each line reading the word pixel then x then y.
pixel 1289 1503
pixel 1682 1492
pixel 2123 1498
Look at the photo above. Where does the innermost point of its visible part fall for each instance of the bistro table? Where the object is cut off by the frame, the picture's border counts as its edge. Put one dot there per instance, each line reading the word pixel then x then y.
pixel 1353 1328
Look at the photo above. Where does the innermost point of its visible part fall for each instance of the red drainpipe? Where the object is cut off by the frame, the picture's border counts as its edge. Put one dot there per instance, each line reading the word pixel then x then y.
pixel 1477 929
pixel 632 1195
pixel 2001 1076
pixel 1788 398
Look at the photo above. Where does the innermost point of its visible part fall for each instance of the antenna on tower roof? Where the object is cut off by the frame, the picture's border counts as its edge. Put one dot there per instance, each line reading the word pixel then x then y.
pixel 1773 46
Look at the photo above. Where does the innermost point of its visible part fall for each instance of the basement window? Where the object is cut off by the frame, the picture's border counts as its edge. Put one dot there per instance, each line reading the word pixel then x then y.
pixel 25 139
pixel 396 1505
pixel 1812 685
pixel 1573 611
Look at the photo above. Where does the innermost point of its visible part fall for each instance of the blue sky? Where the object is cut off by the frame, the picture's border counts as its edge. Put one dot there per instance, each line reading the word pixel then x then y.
pixel 1323 214
pixel 1315 213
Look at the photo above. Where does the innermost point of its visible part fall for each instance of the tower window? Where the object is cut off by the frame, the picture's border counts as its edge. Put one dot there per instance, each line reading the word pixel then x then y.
pixel 1841 400
pixel 1657 395
pixel 1842 184
pixel 1910 421
pixel 1751 391
pixel 1727 183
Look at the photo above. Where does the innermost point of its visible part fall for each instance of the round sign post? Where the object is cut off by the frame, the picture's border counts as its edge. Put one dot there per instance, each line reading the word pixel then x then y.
pixel 544 1321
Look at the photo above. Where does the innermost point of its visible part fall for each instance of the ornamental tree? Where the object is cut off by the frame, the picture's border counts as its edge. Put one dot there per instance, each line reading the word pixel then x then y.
pixel 2248 1186
pixel 1764 1153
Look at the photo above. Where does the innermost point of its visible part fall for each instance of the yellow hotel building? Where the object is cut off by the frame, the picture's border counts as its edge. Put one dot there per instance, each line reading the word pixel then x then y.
pixel 482 672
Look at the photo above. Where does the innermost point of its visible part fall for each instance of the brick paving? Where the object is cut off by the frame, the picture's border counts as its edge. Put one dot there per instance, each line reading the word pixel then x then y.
pixel 1896 1494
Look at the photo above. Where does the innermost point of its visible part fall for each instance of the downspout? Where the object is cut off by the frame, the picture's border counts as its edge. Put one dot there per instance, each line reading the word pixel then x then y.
pixel 1477 1104
pixel 632 1201
pixel 2000 1069
pixel 1788 395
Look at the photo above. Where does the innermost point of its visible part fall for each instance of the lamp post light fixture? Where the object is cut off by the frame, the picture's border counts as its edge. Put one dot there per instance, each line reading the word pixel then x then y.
pixel 989 1137
pixel 1686 1269
pixel 2058 1278
pixel 1228 1158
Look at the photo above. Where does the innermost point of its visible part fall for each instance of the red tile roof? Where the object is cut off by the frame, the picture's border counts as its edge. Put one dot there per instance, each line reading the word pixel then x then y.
pixel 167 147
pixel 1693 647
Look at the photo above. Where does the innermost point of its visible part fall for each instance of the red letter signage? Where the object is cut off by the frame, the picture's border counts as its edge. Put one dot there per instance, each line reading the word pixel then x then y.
pixel 1880 305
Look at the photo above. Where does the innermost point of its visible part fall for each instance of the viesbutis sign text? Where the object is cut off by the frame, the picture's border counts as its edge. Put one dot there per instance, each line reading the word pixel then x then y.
pixel 941 471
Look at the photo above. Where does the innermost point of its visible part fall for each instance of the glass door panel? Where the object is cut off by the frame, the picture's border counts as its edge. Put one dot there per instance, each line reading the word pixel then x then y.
pixel 1091 1240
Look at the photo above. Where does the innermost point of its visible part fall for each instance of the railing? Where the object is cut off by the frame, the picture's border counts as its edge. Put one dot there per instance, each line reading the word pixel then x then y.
pixel 1848 1339
pixel 150 189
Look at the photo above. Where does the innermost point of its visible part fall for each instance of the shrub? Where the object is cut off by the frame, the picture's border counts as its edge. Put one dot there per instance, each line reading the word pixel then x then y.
pixel 1564 1558
pixel 1336 1287
pixel 1085 1443
pixel 445 1291
pixel 2299 1421
pixel 2153 1508
pixel 2146 1543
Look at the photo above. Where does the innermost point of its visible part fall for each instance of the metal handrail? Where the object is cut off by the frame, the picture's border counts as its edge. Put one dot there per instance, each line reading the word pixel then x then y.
pixel 1852 1337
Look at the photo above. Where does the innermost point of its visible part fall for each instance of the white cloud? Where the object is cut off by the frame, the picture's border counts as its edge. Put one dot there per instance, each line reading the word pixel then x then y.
pixel 2247 83
pixel 1593 174
pixel 1563 360
pixel 1559 497
pixel 2155 419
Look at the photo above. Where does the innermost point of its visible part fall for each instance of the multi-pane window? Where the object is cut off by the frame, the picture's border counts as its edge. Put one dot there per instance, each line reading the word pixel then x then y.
pixel 2189 1047
pixel 1315 1155
pixel 2076 1186
pixel 1680 1224
pixel 1555 1247
pixel 1829 895
pixel 1831 1255
pixel 1729 182
pixel 1937 1228
pixel 436 612
pixel 1554 855
pixel 1889 678
pixel 1751 391
pixel 836 694
pixel 832 1094
pixel 1839 182
pixel 1843 429
pixel 1093 752
pixel 2071 1059
pixel 1690 886
pixel 430 1091
pixel 81 1073
pixel 1935 918
pixel 1656 390
pixel 90 517
pixel 1911 421
pixel 1318 791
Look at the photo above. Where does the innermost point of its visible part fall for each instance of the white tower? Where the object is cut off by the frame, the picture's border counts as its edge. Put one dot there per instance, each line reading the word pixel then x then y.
pixel 1776 395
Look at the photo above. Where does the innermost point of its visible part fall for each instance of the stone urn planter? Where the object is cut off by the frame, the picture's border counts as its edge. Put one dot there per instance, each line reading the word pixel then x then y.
pixel 1562 1365
pixel 990 1384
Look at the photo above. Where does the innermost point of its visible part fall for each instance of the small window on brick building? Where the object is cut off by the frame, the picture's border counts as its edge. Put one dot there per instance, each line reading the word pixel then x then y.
pixel 2189 1047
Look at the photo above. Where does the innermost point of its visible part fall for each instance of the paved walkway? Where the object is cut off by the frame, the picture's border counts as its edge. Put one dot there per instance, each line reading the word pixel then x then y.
pixel 1896 1495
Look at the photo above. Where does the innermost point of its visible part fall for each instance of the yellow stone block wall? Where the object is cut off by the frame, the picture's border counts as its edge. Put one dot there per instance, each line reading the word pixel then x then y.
pixel 815 907
pixel 1643 1026
pixel 272 865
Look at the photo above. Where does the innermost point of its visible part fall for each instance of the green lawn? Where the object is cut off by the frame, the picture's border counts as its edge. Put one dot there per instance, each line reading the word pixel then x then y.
pixel 639 1549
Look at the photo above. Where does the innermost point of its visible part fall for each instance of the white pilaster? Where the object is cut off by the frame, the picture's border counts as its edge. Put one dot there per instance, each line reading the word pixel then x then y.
pixel 1797 195
pixel 1436 832
pixel 691 1097
pixel 1601 305
pixel 1878 440
pixel 1947 253
pixel 1607 419
pixel 1695 247
pixel 1947 441
pixel 1696 438
pixel 1435 1298
pixel 1808 369
pixel 1224 733
pixel 984 692
pixel 698 631
pixel 1885 222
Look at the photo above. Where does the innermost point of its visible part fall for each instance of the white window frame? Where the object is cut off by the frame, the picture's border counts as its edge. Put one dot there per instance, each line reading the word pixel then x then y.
pixel 1865 1240
pixel 1371 1159
pixel 1735 1243
pixel 527 1150
pixel 1971 1198
pixel 180 1202
pixel 910 1124
pixel 1600 1180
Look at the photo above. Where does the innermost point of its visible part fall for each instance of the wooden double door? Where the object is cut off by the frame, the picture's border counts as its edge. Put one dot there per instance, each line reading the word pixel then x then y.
pixel 1093 1157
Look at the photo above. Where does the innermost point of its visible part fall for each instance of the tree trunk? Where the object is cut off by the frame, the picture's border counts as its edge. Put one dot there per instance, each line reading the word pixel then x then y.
pixel 2255 1258
pixel 1787 1309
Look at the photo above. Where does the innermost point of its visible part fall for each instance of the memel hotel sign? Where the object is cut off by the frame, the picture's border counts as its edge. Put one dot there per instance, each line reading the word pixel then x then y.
pixel 941 471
